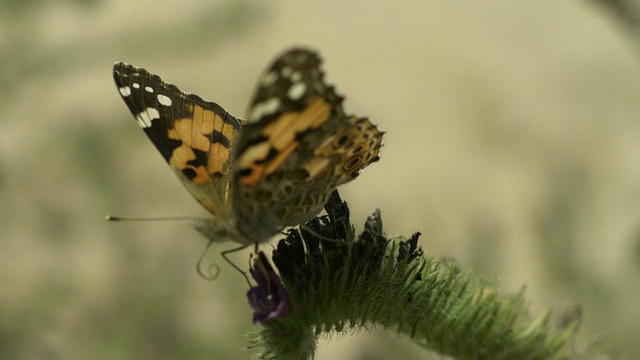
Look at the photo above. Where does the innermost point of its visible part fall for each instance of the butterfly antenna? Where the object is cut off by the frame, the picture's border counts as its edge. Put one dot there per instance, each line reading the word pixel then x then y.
pixel 120 218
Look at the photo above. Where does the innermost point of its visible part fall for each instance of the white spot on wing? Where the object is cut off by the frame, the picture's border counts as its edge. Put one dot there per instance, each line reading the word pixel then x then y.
pixel 296 76
pixel 264 108
pixel 296 91
pixel 286 71
pixel 136 85
pixel 164 100
pixel 147 116
pixel 125 91
pixel 269 78
pixel 149 89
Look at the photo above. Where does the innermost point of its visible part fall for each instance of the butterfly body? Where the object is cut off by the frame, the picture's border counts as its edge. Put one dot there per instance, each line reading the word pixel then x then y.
pixel 255 176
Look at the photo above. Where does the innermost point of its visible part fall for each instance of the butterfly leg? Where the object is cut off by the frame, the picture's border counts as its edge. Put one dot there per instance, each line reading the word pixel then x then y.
pixel 319 236
pixel 226 252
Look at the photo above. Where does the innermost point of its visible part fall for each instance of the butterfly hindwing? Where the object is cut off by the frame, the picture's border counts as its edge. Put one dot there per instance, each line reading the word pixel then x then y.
pixel 196 137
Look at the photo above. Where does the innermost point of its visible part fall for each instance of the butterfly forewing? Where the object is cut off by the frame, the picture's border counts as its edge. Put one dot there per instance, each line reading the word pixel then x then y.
pixel 196 137
pixel 298 146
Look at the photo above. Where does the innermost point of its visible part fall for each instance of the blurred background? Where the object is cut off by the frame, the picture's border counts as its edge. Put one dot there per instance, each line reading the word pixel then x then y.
pixel 512 145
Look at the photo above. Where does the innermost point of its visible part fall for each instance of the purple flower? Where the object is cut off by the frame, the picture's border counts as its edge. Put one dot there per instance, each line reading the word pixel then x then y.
pixel 269 299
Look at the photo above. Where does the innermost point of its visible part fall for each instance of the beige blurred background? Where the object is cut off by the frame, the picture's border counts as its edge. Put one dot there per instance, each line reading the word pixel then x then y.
pixel 512 144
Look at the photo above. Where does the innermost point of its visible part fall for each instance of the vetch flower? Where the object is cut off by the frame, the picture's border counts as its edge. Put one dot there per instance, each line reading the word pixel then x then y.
pixel 269 299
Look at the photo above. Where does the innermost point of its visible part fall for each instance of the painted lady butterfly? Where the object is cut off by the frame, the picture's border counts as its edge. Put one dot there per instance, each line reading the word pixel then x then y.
pixel 260 175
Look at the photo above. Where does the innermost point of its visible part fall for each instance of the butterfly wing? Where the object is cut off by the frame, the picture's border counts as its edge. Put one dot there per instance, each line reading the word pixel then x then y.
pixel 196 137
pixel 297 147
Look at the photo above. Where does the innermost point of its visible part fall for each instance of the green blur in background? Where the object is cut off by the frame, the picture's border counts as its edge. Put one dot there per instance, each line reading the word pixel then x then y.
pixel 512 144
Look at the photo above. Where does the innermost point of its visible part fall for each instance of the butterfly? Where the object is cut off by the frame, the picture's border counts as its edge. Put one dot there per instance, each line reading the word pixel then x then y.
pixel 256 176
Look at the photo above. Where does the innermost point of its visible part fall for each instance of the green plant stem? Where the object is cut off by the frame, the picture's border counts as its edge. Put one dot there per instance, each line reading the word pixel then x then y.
pixel 369 281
